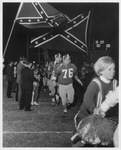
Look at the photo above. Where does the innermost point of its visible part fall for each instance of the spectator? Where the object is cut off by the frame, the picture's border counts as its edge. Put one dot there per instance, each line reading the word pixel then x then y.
pixel 45 77
pixel 20 66
pixel 27 78
pixel 15 76
pixel 10 78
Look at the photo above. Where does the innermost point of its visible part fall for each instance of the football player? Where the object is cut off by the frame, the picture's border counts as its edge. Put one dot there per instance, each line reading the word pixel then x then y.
pixel 65 73
pixel 53 86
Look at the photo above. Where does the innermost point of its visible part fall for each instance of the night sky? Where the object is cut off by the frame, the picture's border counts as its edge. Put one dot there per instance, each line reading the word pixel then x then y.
pixel 103 25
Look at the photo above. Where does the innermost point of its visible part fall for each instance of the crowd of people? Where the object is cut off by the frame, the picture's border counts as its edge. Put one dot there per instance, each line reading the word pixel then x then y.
pixel 21 80
pixel 59 77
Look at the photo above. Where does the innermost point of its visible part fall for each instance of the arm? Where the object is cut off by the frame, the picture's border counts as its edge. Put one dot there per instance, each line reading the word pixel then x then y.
pixel 76 76
pixel 78 80
pixel 50 67
pixel 111 100
pixel 56 72
pixel 90 96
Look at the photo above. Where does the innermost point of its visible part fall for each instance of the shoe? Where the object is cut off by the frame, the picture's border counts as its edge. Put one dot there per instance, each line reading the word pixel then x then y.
pixel 53 102
pixel 65 111
pixel 35 103
pixel 28 109
pixel 50 94
pixel 57 100
pixel 69 106
pixel 21 108
pixel 44 90
pixel 9 97
pixel 32 104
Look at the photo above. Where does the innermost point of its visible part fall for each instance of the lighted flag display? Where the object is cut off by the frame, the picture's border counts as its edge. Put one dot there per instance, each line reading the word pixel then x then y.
pixel 43 15
pixel 75 32
pixel 39 15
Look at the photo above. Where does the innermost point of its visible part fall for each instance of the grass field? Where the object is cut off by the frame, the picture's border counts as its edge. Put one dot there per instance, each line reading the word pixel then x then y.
pixel 42 127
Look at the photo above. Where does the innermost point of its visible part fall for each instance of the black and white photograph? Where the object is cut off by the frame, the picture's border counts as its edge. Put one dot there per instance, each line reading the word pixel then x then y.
pixel 60 74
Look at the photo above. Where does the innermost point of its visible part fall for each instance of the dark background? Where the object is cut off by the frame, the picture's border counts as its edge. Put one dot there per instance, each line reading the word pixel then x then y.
pixel 103 25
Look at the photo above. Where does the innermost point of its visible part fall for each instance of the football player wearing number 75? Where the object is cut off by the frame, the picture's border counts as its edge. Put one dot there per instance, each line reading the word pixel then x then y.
pixel 65 73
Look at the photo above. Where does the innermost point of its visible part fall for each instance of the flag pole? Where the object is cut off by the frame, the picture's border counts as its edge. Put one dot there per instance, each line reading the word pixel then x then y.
pixel 12 30
pixel 91 15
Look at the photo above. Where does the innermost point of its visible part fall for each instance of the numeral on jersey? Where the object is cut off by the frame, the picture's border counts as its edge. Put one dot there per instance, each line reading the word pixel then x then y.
pixel 68 73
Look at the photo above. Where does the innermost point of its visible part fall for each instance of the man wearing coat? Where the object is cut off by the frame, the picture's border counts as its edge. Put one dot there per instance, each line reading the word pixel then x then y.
pixel 27 78
pixel 10 78
pixel 20 66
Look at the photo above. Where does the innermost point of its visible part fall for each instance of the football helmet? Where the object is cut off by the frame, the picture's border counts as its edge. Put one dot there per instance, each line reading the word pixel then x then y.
pixel 66 59
pixel 58 55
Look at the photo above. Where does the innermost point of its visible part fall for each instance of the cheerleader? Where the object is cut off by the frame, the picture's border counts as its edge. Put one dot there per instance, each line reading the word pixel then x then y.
pixel 97 130
pixel 87 120
pixel 98 88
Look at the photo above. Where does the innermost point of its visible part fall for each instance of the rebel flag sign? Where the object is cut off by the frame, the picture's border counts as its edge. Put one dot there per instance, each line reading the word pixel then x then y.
pixel 39 15
pixel 74 31
pixel 43 15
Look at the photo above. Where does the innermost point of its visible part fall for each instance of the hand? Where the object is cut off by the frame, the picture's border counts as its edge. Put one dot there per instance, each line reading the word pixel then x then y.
pixel 80 82
pixel 101 112
pixel 98 111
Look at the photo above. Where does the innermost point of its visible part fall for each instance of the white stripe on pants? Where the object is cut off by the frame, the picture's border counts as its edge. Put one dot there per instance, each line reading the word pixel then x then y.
pixel 66 92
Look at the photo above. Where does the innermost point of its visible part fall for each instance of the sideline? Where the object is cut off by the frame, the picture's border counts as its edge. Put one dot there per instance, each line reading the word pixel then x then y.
pixel 41 132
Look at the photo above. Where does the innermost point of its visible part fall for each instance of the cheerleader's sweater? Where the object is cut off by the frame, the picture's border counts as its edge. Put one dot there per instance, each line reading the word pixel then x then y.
pixel 90 96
